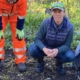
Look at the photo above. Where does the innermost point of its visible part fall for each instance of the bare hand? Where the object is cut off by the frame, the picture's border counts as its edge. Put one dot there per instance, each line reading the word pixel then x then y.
pixel 47 51
pixel 54 53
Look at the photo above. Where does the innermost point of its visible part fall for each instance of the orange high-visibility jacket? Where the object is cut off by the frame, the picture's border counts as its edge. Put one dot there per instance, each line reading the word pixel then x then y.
pixel 19 8
pixel 13 11
pixel 14 14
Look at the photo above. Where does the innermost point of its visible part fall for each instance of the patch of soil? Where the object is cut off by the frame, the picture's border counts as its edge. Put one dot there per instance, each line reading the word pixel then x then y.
pixel 9 70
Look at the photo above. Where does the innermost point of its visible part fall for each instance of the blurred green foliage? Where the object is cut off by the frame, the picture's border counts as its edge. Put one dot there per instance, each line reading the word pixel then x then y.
pixel 36 14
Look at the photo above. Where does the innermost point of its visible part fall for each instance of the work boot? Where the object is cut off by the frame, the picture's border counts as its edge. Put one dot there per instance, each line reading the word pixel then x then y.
pixel 59 67
pixel 40 67
pixel 78 73
pixel 22 67
pixel 1 63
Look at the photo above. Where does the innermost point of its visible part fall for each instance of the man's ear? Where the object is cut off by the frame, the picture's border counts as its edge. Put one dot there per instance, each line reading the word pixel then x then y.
pixel 65 13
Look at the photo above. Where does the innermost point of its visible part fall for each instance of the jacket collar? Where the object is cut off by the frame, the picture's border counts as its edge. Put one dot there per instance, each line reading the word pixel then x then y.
pixel 53 24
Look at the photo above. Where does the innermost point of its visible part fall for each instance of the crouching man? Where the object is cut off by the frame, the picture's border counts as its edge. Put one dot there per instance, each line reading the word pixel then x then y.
pixel 53 40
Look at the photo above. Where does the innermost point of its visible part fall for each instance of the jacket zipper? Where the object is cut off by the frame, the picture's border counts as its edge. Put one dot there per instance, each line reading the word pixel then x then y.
pixel 10 12
pixel 56 37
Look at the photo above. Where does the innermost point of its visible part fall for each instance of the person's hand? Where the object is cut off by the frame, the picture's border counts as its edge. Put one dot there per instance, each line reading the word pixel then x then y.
pixel 19 34
pixel 55 52
pixel 48 51
pixel 1 34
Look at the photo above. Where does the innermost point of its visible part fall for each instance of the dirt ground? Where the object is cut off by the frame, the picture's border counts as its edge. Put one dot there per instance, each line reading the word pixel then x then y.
pixel 10 72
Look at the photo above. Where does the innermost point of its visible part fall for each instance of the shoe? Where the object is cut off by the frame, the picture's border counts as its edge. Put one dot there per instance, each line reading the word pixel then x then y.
pixel 1 64
pixel 40 67
pixel 78 73
pixel 72 65
pixel 22 67
pixel 59 68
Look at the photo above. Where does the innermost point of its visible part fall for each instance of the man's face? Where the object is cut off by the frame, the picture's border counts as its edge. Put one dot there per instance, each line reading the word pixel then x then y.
pixel 58 16
pixel 11 1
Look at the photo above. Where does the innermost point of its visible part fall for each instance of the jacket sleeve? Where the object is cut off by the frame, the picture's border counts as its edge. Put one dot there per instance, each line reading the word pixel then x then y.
pixel 0 17
pixel 0 22
pixel 38 40
pixel 21 10
pixel 67 45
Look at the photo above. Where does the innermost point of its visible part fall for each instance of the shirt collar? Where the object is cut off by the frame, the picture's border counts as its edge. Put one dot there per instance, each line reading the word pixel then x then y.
pixel 54 24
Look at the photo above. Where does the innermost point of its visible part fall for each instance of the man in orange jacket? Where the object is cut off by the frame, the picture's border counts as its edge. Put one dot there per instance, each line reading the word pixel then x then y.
pixel 14 12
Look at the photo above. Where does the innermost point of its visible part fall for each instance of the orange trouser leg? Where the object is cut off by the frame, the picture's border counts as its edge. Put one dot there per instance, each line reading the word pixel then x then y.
pixel 19 47
pixel 2 41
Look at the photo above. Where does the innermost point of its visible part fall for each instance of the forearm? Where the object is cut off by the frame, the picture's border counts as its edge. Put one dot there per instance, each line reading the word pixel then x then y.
pixel 21 10
pixel 63 49
pixel 20 23
pixel 39 43
pixel 40 35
